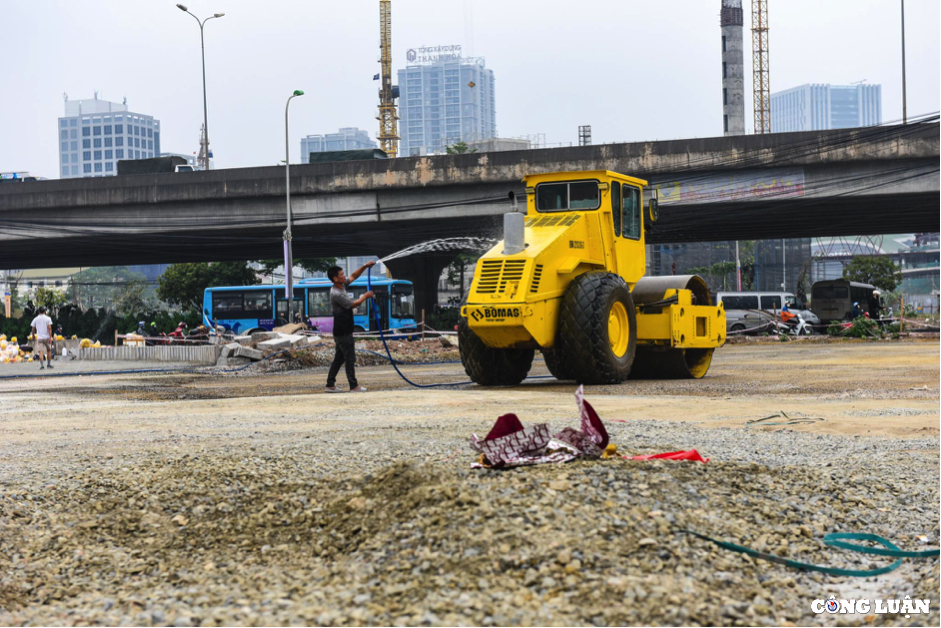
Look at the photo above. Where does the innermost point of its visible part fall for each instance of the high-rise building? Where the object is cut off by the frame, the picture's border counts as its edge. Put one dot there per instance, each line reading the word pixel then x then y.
pixel 815 107
pixel 94 134
pixel 733 68
pixel 347 138
pixel 444 99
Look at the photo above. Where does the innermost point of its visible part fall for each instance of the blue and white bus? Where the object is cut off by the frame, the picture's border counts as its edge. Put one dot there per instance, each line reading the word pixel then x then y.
pixel 246 309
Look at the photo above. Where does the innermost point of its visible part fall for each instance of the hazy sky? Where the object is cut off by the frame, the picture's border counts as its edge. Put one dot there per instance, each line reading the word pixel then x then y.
pixel 632 70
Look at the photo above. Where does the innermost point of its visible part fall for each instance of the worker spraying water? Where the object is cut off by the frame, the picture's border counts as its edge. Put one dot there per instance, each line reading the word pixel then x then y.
pixel 343 305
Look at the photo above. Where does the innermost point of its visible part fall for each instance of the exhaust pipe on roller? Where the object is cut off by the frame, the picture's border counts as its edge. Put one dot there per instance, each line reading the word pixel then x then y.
pixel 514 229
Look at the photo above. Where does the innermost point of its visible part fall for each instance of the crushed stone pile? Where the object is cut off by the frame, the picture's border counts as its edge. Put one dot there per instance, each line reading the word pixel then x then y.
pixel 255 538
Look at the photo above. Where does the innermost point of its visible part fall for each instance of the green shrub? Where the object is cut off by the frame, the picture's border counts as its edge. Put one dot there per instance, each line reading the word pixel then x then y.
pixel 443 319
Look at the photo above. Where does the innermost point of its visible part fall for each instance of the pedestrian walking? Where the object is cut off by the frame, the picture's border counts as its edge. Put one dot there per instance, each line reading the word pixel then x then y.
pixel 343 305
pixel 42 331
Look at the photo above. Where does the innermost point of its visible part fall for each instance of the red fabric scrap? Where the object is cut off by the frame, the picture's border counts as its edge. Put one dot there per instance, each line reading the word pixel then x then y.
pixel 509 443
pixel 505 425
pixel 690 454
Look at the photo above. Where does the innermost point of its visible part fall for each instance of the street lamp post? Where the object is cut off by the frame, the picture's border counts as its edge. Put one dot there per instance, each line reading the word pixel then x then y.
pixel 288 253
pixel 904 103
pixel 202 42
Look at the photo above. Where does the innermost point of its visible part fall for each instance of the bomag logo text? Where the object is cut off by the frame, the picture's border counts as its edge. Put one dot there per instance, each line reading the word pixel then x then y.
pixel 501 312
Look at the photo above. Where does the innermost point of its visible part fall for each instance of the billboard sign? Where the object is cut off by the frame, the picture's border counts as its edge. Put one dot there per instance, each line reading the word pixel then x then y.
pixel 432 54
pixel 739 186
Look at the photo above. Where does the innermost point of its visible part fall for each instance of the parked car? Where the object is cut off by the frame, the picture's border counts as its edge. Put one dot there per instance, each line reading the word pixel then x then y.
pixel 747 322
pixel 755 310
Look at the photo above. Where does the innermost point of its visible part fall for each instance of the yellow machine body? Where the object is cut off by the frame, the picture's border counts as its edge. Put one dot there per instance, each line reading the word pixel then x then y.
pixel 514 300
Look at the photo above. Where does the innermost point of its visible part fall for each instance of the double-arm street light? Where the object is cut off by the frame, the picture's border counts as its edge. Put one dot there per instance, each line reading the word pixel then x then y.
pixel 288 253
pixel 204 149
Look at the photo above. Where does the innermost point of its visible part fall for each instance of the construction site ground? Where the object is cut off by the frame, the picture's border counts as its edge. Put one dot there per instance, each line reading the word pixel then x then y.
pixel 252 498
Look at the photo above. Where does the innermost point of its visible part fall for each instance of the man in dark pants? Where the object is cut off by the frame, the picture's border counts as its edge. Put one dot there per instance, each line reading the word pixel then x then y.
pixel 343 305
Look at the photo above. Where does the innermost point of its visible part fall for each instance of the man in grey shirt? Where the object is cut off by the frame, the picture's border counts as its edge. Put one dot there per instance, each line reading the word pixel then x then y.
pixel 343 305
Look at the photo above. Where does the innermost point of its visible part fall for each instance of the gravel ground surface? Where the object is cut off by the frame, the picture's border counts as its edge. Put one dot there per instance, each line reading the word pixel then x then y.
pixel 251 499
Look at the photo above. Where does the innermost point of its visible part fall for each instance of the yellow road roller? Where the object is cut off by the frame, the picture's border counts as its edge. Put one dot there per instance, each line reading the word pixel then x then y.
pixel 568 280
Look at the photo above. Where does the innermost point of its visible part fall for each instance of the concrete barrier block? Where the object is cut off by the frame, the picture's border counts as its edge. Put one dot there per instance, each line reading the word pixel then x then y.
pixel 230 349
pixel 290 328
pixel 261 336
pixel 232 362
pixel 275 344
pixel 243 340
pixel 297 341
pixel 247 352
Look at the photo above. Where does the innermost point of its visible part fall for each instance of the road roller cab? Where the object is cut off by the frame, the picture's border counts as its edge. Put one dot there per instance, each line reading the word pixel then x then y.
pixel 568 280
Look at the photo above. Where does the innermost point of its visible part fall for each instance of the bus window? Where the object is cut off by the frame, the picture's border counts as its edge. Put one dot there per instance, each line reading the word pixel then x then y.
pixel 318 302
pixel 771 301
pixel 226 304
pixel 257 304
pixel 631 213
pixel 356 293
pixel 829 292
pixel 403 301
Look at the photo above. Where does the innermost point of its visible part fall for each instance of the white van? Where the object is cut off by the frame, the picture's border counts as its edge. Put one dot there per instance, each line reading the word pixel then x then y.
pixel 742 309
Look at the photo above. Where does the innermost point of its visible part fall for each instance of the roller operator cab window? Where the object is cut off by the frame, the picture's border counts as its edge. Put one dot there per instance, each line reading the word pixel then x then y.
pixel 631 215
pixel 616 206
pixel 560 197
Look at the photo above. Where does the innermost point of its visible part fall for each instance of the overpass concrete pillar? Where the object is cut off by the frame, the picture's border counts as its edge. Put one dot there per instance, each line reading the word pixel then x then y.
pixel 423 270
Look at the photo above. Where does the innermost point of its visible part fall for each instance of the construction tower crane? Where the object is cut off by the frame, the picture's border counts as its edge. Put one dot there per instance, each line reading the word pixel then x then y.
pixel 761 84
pixel 388 131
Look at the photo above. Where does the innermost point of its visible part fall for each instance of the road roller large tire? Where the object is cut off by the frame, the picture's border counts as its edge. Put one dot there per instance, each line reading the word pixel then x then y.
pixel 655 363
pixel 491 367
pixel 597 329
pixel 557 365
pixel 666 363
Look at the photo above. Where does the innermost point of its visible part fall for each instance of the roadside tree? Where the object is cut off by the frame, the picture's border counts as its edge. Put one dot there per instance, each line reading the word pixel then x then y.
pixel 876 270
pixel 184 284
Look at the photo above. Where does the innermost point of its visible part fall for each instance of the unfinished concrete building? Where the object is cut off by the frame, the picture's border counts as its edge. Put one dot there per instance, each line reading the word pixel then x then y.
pixel 733 69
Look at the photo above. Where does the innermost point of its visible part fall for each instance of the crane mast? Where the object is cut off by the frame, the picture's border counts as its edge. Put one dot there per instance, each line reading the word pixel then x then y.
pixel 388 131
pixel 761 83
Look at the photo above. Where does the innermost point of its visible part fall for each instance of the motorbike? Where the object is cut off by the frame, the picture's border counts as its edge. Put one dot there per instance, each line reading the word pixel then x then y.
pixel 796 326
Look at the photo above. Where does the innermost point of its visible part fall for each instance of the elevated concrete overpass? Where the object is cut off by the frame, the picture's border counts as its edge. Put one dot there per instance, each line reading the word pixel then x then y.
pixel 845 182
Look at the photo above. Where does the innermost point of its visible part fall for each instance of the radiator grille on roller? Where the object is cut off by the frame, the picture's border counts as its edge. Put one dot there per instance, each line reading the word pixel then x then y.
pixel 495 273
pixel 537 275
pixel 557 220
pixel 489 275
